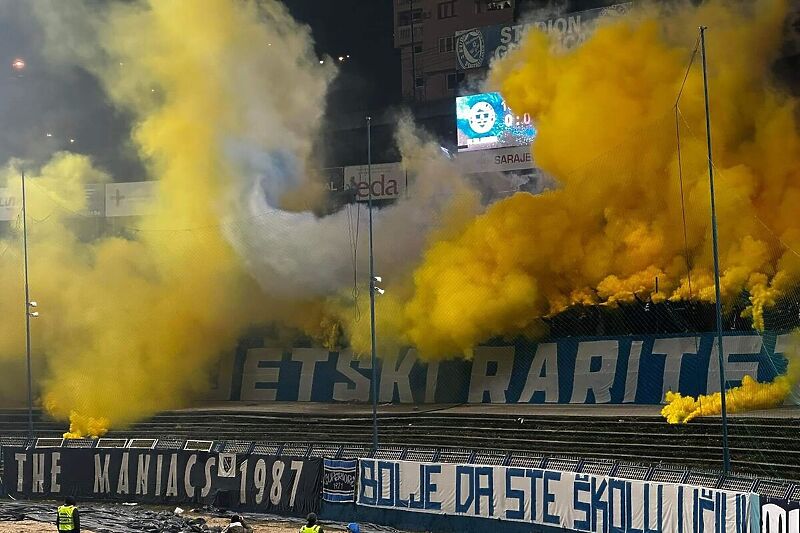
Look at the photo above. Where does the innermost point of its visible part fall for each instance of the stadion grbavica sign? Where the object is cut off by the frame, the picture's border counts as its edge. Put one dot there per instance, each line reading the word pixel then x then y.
pixel 478 47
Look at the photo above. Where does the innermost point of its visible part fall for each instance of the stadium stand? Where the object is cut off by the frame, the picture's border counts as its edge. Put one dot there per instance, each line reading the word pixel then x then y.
pixel 636 447
pixel 741 483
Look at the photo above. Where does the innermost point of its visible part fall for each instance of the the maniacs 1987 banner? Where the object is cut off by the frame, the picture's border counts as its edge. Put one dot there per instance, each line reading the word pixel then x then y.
pixel 579 502
pixel 251 482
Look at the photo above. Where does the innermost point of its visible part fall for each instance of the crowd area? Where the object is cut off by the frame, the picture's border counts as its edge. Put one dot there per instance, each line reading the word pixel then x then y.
pixel 36 517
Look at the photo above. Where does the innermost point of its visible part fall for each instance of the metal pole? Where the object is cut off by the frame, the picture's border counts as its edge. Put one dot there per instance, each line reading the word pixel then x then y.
pixel 726 458
pixel 413 54
pixel 27 306
pixel 372 293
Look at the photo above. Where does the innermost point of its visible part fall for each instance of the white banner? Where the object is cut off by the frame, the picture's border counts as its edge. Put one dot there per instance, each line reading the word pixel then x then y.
pixel 580 502
pixel 388 181
pixel 10 205
pixel 11 202
pixel 130 199
pixel 497 160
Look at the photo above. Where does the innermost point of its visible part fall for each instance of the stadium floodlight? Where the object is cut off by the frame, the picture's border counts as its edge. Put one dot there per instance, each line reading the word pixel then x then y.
pixel 27 306
pixel 33 304
pixel 726 457
pixel 34 314
pixel 378 279
pixel 380 291
pixel 372 279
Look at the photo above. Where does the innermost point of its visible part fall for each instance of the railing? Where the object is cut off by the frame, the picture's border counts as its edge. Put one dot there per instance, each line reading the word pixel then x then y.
pixel 403 35
pixel 777 488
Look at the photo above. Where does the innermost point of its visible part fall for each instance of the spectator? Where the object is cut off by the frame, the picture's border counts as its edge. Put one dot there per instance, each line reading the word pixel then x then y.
pixel 237 525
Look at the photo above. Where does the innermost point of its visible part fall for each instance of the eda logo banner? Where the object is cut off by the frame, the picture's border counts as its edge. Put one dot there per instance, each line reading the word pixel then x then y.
pixel 388 181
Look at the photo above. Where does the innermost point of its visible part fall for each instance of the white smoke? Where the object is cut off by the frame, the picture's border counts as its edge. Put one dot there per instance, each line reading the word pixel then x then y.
pixel 299 254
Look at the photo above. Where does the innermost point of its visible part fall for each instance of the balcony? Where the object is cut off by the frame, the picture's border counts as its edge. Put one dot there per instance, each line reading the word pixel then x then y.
pixel 402 36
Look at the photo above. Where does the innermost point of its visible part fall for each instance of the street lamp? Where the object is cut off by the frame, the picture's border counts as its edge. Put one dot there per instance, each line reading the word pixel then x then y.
pixel 373 288
pixel 29 306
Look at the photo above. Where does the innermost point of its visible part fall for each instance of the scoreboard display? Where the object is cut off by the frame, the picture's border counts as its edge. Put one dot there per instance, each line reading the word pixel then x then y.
pixel 485 121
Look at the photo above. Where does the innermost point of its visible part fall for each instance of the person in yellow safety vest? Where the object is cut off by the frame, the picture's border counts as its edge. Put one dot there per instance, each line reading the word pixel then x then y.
pixel 311 526
pixel 68 518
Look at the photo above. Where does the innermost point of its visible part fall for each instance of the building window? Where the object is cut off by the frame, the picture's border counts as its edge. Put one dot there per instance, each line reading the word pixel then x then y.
pixel 404 17
pixel 454 79
pixel 497 5
pixel 418 49
pixel 446 44
pixel 447 9
pixel 419 82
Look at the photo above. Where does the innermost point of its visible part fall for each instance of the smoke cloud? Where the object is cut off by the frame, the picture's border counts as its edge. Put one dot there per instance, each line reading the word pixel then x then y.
pixel 301 255
pixel 614 225
pixel 224 100
pixel 750 395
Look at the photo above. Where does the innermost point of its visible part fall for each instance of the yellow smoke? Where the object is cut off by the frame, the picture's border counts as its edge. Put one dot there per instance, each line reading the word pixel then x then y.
pixel 133 325
pixel 750 396
pixel 606 124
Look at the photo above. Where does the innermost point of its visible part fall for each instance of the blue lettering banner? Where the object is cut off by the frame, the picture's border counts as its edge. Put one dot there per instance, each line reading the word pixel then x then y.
pixel 579 502
pixel 609 370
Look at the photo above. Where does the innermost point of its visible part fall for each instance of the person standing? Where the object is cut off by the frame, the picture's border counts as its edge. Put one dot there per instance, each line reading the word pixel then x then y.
pixel 68 518
pixel 311 526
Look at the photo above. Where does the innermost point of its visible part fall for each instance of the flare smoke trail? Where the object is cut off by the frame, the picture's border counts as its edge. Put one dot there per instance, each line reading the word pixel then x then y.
pixel 225 124
pixel 604 112
pixel 751 395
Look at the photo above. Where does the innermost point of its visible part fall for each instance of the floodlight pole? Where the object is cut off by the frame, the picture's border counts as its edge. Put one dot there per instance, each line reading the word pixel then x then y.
pixel 726 458
pixel 27 305
pixel 413 54
pixel 372 293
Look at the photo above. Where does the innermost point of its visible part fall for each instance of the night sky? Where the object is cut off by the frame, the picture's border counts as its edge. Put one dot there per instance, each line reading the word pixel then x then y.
pixel 370 79
pixel 68 104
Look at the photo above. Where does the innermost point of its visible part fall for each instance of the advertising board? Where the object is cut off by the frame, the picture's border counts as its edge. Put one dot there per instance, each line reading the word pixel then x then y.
pixel 130 199
pixel 497 160
pixel 388 181
pixel 11 202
